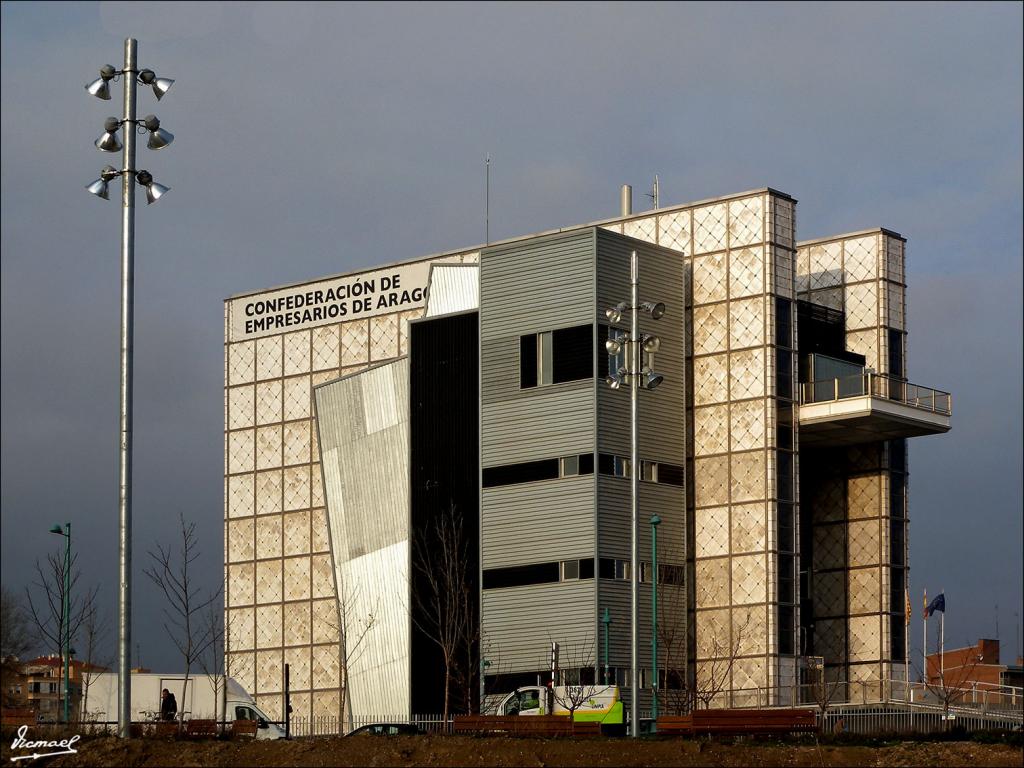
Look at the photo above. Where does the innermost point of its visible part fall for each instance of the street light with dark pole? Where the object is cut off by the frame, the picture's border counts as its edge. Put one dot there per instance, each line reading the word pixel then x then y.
pixel 108 142
pixel 66 611
pixel 637 372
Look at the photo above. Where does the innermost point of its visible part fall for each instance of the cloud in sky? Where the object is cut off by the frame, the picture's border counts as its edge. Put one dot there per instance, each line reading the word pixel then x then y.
pixel 318 138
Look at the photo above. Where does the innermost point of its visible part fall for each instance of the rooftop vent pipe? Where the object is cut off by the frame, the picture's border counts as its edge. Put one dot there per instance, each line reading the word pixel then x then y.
pixel 627 200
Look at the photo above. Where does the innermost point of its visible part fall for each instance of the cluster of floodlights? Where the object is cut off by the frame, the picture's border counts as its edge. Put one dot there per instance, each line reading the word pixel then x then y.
pixel 109 142
pixel 649 344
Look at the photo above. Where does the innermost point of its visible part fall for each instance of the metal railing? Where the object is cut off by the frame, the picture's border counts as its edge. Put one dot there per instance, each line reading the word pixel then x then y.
pixel 877 385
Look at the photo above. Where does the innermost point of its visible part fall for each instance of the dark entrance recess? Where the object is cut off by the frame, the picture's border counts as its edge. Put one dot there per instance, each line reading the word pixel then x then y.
pixel 443 394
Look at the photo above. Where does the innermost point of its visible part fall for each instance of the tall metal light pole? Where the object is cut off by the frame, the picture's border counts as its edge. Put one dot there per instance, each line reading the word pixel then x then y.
pixel 129 174
pixel 655 521
pixel 66 610
pixel 639 376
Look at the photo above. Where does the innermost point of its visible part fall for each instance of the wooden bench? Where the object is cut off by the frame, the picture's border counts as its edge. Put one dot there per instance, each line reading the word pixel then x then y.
pixel 18 716
pixel 201 729
pixel 740 722
pixel 244 728
pixel 526 725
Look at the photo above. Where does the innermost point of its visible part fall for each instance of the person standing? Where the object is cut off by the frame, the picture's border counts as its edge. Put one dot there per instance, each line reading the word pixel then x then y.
pixel 168 705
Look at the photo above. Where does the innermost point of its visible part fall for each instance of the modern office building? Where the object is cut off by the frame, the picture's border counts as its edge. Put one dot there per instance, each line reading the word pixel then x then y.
pixel 360 407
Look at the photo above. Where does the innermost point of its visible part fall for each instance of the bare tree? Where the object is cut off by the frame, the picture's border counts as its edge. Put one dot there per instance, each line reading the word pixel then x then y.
pixel 492 664
pixel 353 629
pixel 172 574
pixel 45 597
pixel 441 558
pixel 214 662
pixel 949 684
pixel 674 695
pixel 713 675
pixel 578 666
pixel 822 691
pixel 95 629
pixel 15 640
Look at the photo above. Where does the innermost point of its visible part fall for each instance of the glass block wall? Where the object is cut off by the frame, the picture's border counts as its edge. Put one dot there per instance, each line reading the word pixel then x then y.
pixel 858 494
pixel 739 255
pixel 281 600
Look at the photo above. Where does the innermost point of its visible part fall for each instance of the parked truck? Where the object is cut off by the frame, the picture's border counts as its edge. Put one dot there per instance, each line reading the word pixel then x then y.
pixel 596 703
pixel 204 697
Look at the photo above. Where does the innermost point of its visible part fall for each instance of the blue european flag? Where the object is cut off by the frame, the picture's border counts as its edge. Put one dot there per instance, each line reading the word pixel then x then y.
pixel 938 604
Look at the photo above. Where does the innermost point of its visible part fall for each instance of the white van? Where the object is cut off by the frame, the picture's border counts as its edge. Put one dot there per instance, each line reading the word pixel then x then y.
pixel 204 697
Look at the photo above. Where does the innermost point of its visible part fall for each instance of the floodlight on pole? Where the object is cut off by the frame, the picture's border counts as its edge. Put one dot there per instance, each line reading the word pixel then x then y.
pixel 100 87
pixel 158 137
pixel 638 373
pixel 109 142
pixel 130 175
pixel 160 85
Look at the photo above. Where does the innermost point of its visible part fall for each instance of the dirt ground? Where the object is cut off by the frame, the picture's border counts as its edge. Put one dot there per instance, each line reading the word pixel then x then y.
pixel 494 751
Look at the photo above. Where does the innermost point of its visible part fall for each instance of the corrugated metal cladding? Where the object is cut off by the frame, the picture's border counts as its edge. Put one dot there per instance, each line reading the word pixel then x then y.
pixel 453 288
pixel 364 436
pixel 444 416
pixel 528 287
pixel 547 283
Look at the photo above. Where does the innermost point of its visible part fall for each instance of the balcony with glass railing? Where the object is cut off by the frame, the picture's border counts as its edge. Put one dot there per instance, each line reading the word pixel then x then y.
pixel 868 407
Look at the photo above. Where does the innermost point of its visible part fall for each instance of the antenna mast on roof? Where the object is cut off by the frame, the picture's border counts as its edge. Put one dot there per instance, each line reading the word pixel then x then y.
pixel 654 193
pixel 487 202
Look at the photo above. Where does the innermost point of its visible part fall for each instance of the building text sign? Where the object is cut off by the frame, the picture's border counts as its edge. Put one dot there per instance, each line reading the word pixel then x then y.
pixel 334 300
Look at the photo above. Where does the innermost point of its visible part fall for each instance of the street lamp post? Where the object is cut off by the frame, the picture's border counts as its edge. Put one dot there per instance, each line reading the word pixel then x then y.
pixel 66 611
pixel 637 372
pixel 108 142
pixel 655 521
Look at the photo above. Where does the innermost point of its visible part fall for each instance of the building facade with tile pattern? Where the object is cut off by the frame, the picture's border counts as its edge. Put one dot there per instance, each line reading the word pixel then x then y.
pixel 788 554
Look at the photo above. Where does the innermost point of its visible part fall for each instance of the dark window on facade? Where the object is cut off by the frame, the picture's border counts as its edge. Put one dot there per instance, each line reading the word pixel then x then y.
pixel 896 353
pixel 897 621
pixel 606 568
pixel 784 426
pixel 527 472
pixel 787 593
pixel 572 353
pixel 555 357
pixel 670 474
pixel 671 575
pixel 897 495
pixel 898 455
pixel 586 463
pixel 787 530
pixel 783 323
pixel 521 575
pixel 786 629
pixel 784 374
pixel 528 361
pixel 538 573
pixel 897 540
pixel 784 475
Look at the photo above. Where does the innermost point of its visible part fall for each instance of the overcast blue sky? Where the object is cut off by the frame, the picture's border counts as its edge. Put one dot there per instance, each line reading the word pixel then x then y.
pixel 319 138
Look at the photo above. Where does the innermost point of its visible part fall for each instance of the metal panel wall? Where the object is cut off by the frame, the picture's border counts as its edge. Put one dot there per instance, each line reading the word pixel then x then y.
pixel 364 437
pixel 453 288
pixel 537 285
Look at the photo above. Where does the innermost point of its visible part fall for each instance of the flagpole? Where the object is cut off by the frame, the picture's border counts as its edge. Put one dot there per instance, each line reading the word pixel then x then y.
pixel 942 645
pixel 906 646
pixel 924 645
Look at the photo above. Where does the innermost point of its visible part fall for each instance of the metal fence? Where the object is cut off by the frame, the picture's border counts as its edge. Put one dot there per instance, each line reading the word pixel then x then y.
pixel 311 727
